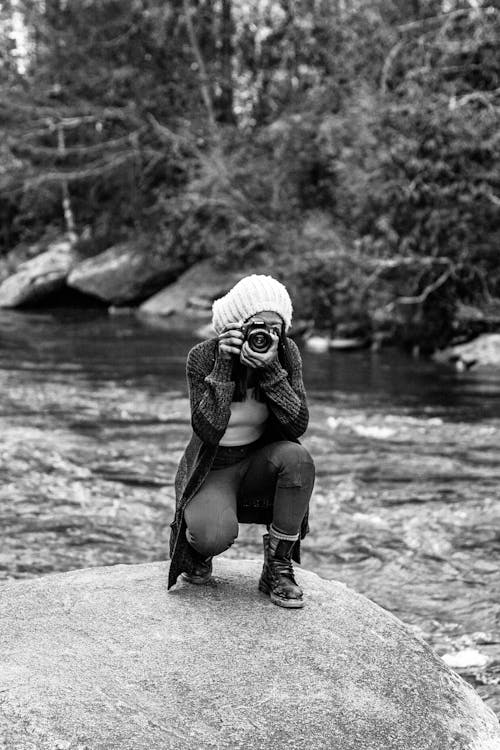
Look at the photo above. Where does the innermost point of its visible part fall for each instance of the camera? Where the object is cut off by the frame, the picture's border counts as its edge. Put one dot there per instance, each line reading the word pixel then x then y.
pixel 258 335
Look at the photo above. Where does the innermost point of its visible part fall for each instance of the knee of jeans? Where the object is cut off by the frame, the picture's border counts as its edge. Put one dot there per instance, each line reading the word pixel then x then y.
pixel 212 539
pixel 295 464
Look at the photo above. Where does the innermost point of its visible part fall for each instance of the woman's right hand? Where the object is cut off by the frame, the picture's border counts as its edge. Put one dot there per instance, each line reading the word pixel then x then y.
pixel 230 341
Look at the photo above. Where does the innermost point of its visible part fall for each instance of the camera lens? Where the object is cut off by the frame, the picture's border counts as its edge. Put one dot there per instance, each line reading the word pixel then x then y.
pixel 259 341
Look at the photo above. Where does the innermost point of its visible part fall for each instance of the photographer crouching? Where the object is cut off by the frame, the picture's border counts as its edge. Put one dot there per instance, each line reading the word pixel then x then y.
pixel 244 462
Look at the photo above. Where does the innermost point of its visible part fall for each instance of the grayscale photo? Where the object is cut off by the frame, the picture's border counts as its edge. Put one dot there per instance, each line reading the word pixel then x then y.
pixel 249 374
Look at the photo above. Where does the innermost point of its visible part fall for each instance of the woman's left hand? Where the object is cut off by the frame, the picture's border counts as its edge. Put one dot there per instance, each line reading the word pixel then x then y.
pixel 259 360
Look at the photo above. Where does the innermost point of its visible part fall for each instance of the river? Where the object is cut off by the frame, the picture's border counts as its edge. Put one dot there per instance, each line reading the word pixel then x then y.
pixel 406 506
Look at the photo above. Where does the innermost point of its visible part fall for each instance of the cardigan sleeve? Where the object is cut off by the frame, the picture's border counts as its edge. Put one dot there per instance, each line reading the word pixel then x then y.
pixel 285 395
pixel 210 393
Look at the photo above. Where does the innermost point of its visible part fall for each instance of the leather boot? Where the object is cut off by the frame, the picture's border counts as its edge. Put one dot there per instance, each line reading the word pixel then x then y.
pixel 277 577
pixel 201 571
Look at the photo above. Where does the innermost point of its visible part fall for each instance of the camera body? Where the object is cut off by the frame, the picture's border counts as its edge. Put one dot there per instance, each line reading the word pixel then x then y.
pixel 258 335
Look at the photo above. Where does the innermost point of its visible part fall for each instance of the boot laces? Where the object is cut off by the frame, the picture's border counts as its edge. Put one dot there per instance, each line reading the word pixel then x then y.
pixel 283 567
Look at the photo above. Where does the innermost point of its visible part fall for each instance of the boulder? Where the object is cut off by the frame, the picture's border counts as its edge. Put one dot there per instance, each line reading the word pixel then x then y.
pixel 194 291
pixel 480 352
pixel 21 253
pixel 107 658
pixel 123 273
pixel 38 277
pixel 5 271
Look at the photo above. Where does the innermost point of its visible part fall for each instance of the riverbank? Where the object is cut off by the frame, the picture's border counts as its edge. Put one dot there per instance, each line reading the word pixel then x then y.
pixel 330 311
pixel 405 509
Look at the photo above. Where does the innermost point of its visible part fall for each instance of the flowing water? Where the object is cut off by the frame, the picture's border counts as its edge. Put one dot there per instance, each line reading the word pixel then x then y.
pixel 406 507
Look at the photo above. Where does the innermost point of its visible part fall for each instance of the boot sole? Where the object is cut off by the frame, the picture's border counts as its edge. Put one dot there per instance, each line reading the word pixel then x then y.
pixel 285 603
pixel 197 580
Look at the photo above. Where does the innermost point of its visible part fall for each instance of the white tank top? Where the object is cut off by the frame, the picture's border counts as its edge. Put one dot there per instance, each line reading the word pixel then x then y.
pixel 247 421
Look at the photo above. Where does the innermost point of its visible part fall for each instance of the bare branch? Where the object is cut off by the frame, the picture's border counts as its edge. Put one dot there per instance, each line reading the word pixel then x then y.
pixel 482 96
pixel 493 198
pixel 69 118
pixel 420 298
pixel 173 139
pixel 388 64
pixel 117 39
pixel 95 148
pixel 382 265
pixel 96 170
pixel 432 20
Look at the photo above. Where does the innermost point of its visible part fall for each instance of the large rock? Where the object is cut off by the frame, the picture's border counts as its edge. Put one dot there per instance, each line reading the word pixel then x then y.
pixel 482 351
pixel 194 291
pixel 123 273
pixel 39 277
pixel 21 253
pixel 106 658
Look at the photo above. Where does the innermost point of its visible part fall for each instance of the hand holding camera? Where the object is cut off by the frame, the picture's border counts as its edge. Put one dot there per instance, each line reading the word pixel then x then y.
pixel 260 345
pixel 255 343
pixel 231 341
pixel 258 361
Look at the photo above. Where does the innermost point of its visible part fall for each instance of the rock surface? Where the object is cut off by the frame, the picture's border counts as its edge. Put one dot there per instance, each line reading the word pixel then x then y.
pixel 21 253
pixel 106 658
pixel 481 352
pixel 194 291
pixel 38 277
pixel 123 273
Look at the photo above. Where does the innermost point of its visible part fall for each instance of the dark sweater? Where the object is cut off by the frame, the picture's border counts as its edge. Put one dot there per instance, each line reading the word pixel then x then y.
pixel 210 393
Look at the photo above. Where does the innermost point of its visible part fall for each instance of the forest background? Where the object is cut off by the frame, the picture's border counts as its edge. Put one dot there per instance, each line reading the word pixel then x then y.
pixel 351 148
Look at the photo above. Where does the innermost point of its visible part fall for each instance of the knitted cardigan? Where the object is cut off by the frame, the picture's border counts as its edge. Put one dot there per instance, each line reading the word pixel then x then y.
pixel 210 393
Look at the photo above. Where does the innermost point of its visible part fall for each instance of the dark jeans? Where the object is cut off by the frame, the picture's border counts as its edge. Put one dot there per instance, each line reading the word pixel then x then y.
pixel 282 472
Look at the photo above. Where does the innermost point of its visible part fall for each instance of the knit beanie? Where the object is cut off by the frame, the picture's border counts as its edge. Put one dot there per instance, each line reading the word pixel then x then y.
pixel 251 295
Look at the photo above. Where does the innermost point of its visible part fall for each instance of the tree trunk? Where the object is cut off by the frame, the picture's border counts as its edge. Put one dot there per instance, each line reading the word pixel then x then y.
pixel 202 70
pixel 415 4
pixel 225 101
pixel 69 218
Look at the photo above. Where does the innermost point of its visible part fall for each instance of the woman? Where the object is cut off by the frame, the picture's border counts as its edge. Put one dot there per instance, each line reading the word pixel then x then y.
pixel 244 462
